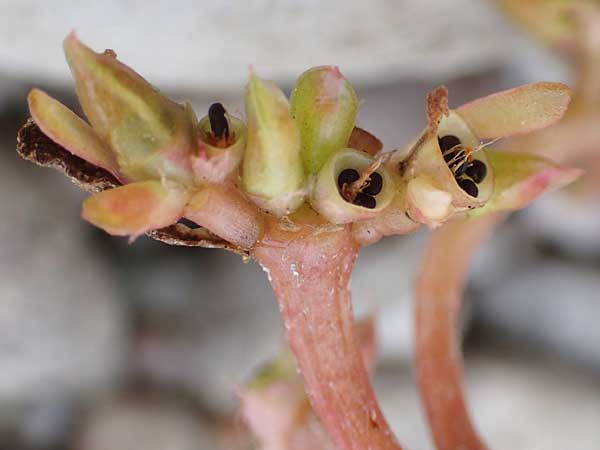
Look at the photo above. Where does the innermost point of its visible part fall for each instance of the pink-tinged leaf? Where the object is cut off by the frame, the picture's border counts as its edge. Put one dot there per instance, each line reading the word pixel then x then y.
pixel 364 141
pixel 150 134
pixel 520 178
pixel 136 208
pixel 517 111
pixel 309 267
pixel 439 293
pixel 276 408
pixel 226 212
pixel 65 128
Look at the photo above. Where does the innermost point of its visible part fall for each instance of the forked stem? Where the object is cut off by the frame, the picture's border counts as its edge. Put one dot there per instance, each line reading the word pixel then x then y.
pixel 309 269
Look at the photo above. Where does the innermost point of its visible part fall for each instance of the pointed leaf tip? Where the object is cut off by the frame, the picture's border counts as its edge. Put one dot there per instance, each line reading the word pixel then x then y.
pixel 521 178
pixel 65 128
pixel 272 166
pixel 149 133
pixel 516 111
pixel 134 209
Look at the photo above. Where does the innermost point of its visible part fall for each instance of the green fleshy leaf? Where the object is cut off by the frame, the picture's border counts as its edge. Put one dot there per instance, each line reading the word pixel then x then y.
pixel 324 105
pixel 150 134
pixel 65 128
pixel 520 178
pixel 272 167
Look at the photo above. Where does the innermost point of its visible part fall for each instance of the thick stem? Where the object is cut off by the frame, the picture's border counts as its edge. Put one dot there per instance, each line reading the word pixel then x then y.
pixel 439 294
pixel 309 268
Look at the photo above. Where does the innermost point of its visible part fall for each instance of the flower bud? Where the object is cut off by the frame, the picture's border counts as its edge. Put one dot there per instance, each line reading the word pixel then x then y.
pixel 339 193
pixel 151 135
pixel 221 144
pixel 272 169
pixel 324 106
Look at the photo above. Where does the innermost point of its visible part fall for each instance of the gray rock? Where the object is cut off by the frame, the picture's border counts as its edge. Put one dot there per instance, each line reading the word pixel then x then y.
pixel 209 45
pixel 516 402
pixel 62 322
pixel 550 306
pixel 144 423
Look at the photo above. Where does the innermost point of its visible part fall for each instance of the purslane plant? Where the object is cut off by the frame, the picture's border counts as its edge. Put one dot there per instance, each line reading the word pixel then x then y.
pixel 572 28
pixel 296 187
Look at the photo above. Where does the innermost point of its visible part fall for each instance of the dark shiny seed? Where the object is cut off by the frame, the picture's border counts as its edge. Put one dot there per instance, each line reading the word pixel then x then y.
pixel 477 171
pixel 447 142
pixel 347 176
pixel 375 184
pixel 469 187
pixel 365 200
pixel 218 122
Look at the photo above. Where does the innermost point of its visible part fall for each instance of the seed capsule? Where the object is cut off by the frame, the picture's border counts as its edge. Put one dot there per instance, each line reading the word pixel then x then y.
pixel 336 194
pixel 375 184
pixel 365 200
pixel 347 177
pixel 447 142
pixel 469 187
pixel 477 171
pixel 218 121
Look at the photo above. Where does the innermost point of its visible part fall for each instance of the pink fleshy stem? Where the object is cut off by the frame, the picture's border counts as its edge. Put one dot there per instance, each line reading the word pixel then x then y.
pixel 309 269
pixel 439 294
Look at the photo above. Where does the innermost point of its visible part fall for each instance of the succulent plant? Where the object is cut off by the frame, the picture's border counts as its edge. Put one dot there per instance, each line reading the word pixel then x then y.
pixel 296 187
pixel 571 27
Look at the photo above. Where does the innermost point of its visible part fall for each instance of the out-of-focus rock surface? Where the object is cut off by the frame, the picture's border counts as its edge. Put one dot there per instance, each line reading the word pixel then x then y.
pixel 517 401
pixel 62 322
pixel 209 45
pixel 567 222
pixel 220 322
pixel 551 306
pixel 144 422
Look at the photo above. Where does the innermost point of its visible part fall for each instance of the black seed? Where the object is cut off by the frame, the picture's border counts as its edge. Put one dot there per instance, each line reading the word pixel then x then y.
pixel 365 200
pixel 447 142
pixel 477 171
pixel 188 223
pixel 347 176
pixel 469 187
pixel 218 121
pixel 375 184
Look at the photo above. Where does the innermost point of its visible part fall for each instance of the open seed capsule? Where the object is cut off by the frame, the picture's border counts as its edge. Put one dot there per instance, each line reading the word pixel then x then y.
pixel 442 162
pixel 221 143
pixel 337 194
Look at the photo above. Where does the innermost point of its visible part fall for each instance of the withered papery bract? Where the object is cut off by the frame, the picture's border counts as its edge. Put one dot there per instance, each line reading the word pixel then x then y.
pixel 296 186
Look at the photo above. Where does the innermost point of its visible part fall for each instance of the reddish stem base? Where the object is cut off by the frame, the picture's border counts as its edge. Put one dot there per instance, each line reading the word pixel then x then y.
pixel 309 267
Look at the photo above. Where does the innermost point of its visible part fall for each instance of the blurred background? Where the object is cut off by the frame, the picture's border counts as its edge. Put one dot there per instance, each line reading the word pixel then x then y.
pixel 105 345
